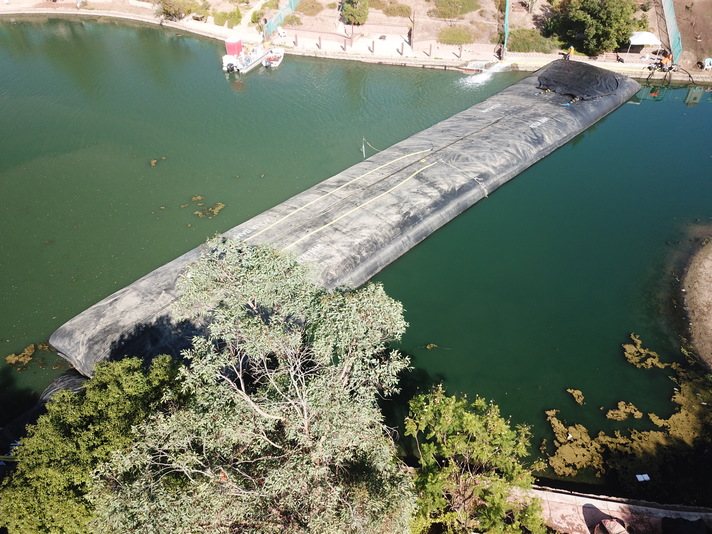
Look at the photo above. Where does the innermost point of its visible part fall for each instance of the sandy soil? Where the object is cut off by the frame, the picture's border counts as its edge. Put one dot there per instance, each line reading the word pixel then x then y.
pixel 694 20
pixel 697 286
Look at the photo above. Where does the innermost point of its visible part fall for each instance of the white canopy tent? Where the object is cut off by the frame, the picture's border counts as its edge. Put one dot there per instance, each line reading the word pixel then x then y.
pixel 643 39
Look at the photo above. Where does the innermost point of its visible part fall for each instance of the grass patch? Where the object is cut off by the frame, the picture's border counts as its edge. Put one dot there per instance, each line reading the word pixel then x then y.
pixel 309 8
pixel 527 40
pixel 394 9
pixel 456 35
pixel 452 9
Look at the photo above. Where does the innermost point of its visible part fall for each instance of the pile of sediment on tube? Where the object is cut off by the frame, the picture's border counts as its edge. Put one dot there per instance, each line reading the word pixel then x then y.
pixel 353 224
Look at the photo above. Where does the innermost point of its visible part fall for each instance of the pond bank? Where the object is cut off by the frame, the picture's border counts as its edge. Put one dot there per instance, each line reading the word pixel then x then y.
pixel 697 290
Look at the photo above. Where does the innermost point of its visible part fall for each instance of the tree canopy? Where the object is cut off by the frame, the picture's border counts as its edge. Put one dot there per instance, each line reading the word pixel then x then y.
pixel 594 26
pixel 47 491
pixel 471 467
pixel 355 11
pixel 282 432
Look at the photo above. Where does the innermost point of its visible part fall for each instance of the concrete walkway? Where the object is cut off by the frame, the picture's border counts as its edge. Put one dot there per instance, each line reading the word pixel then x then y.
pixel 578 513
pixel 334 42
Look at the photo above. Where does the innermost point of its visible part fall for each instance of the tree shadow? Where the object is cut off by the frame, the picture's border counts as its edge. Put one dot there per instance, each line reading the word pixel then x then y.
pixel 395 408
pixel 13 399
pixel 540 20
pixel 162 336
pixel 592 516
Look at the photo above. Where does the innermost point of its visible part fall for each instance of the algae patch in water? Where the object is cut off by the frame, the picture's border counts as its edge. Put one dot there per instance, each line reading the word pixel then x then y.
pixel 623 411
pixel 577 395
pixel 34 353
pixel 675 457
pixel 205 212
pixel 23 358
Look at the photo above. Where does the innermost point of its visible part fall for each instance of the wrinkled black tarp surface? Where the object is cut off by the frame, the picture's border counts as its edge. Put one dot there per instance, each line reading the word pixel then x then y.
pixel 577 80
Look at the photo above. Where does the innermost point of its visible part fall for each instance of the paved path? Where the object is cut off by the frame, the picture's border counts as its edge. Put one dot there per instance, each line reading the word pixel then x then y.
pixel 333 42
pixel 578 513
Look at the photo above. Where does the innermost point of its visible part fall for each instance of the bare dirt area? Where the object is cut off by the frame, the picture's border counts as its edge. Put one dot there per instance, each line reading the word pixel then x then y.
pixel 697 286
pixel 694 20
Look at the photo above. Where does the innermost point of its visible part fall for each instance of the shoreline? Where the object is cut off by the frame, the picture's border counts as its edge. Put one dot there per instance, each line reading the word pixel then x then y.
pixel 697 293
pixel 388 49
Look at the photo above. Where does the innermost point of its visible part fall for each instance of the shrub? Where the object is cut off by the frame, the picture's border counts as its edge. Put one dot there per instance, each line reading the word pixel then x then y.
pixel 234 17
pixel 179 9
pixel 377 4
pixel 456 35
pixel 292 20
pixel 397 10
pixel 332 5
pixel 310 7
pixel 257 16
pixel 271 4
pixel 529 40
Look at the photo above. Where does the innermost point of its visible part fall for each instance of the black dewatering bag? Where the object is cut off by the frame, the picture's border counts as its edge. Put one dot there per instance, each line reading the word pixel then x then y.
pixel 577 80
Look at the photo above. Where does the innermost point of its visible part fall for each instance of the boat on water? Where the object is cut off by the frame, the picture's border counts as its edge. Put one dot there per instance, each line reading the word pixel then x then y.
pixel 242 59
pixel 274 58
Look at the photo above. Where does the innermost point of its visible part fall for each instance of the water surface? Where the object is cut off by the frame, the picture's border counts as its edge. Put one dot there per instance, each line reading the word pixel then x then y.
pixel 115 139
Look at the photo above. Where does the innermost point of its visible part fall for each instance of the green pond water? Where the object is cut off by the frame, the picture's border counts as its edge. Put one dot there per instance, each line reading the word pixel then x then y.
pixel 110 133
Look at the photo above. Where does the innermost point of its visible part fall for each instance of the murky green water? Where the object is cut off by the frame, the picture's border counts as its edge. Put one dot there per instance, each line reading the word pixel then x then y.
pixel 529 293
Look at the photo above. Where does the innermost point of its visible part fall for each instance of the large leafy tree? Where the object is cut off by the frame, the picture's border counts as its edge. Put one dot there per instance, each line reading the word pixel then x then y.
pixel 595 26
pixel 47 490
pixel 355 11
pixel 472 477
pixel 283 432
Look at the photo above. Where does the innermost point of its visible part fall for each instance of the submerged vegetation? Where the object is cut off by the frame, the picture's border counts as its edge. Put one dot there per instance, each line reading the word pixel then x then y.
pixel 672 456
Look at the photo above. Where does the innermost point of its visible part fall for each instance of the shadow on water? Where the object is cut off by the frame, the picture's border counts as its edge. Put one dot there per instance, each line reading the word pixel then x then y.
pixel 13 399
pixel 163 336
pixel 18 409
pixel 395 408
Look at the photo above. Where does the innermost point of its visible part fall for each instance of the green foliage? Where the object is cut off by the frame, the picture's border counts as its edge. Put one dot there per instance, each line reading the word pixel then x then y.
pixel 456 35
pixel 257 17
pixel 355 11
pixel 394 9
pixel 310 8
pixel 452 9
pixel 530 40
pixel 470 467
pixel 593 26
pixel 179 9
pixel 47 491
pixel 282 432
pixel 271 4
pixel 292 20
pixel 233 18
pixel 391 8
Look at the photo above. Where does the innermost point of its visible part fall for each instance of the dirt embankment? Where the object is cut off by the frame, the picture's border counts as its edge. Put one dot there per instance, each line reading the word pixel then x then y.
pixel 697 286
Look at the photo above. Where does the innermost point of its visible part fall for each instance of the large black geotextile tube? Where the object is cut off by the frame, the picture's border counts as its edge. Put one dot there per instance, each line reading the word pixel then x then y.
pixel 352 225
